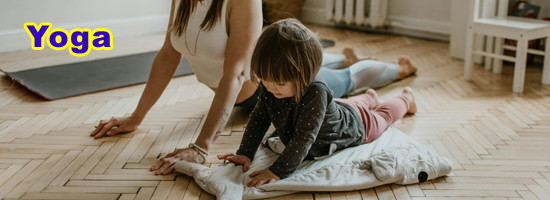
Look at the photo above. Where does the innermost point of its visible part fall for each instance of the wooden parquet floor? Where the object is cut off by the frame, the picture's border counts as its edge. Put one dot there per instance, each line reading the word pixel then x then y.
pixel 499 141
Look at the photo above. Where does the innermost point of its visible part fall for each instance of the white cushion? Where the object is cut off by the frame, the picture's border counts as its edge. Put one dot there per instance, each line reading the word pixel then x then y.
pixel 392 158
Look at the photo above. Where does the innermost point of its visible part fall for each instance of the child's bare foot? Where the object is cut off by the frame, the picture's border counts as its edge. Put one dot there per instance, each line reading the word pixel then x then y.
pixel 349 57
pixel 408 92
pixel 374 96
pixel 406 68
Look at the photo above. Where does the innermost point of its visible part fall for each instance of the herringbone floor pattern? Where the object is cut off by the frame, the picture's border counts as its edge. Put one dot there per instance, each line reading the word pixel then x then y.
pixel 499 141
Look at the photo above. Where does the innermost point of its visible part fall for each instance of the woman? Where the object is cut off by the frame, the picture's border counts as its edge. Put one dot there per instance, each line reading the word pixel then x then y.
pixel 217 37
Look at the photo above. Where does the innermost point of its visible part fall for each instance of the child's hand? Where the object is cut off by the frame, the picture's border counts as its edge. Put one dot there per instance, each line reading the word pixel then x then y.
pixel 237 159
pixel 262 177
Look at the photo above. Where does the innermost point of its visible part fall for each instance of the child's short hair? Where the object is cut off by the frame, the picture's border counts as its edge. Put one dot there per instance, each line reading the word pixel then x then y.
pixel 287 51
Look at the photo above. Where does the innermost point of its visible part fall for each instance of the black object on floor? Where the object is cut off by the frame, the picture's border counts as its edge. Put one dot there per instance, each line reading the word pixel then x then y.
pixel 327 43
pixel 73 79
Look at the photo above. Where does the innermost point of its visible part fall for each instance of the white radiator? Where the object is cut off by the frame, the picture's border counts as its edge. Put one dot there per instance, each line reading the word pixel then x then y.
pixel 358 12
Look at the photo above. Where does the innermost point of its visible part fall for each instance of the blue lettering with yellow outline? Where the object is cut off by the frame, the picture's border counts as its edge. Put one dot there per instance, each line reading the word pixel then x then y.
pixel 30 27
pixel 56 33
pixel 79 41
pixel 84 42
pixel 107 39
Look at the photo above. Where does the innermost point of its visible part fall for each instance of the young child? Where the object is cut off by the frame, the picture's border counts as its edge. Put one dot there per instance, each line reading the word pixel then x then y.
pixel 296 100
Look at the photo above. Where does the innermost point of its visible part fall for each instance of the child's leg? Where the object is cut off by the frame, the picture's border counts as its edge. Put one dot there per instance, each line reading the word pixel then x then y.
pixel 388 113
pixel 385 114
pixel 368 101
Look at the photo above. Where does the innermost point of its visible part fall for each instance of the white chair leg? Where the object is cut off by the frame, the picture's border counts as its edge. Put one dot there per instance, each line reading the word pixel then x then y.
pixel 489 48
pixel 519 68
pixel 479 40
pixel 546 64
pixel 468 58
pixel 497 63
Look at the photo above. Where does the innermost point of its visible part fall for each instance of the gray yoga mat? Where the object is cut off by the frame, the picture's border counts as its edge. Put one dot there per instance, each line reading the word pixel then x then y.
pixel 73 79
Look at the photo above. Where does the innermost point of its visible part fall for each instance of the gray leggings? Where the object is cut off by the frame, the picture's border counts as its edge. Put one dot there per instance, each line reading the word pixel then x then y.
pixel 365 73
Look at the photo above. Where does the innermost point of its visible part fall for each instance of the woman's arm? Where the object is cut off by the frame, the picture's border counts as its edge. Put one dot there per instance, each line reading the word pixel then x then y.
pixel 164 66
pixel 245 25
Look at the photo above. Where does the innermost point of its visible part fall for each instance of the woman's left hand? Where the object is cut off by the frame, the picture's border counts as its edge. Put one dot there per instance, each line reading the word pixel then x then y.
pixel 262 177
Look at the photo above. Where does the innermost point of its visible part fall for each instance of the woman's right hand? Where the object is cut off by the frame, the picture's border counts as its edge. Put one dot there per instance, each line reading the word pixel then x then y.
pixel 166 164
pixel 237 159
pixel 114 126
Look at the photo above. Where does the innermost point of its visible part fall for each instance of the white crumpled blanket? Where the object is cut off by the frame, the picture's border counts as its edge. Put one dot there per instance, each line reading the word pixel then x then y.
pixel 392 158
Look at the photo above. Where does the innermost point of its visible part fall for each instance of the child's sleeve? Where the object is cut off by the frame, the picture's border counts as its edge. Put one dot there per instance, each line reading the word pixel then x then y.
pixel 256 128
pixel 310 119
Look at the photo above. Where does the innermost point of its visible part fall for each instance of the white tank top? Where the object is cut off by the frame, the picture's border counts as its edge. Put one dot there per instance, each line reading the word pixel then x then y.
pixel 207 61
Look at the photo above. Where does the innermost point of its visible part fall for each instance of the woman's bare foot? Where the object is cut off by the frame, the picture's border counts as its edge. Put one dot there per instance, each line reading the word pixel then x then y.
pixel 408 92
pixel 406 68
pixel 349 57
pixel 374 96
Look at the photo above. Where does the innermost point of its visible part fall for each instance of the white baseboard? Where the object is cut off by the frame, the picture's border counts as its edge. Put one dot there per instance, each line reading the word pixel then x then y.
pixel 420 25
pixel 18 39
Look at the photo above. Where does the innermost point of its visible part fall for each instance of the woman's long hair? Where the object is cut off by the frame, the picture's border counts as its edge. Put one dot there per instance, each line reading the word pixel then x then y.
pixel 187 7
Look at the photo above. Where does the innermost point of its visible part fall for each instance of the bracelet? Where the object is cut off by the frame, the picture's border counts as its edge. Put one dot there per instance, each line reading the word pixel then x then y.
pixel 202 152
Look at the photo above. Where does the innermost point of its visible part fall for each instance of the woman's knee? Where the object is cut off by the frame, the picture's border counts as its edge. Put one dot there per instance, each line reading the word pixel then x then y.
pixel 249 100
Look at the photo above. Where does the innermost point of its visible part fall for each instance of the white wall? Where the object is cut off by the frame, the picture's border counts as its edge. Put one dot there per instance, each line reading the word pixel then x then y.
pixel 545 8
pixel 420 15
pixel 423 15
pixel 123 17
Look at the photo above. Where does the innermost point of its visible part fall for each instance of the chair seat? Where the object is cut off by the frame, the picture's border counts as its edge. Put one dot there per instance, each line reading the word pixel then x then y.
pixel 513 23
pixel 503 27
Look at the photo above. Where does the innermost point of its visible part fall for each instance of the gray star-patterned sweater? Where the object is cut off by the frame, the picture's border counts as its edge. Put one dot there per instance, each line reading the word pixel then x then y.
pixel 307 128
